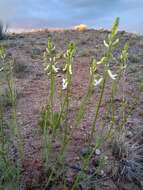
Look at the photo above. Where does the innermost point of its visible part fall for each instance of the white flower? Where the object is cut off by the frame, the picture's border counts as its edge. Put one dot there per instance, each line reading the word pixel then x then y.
pixel 50 69
pixel 55 69
pixel 113 76
pixel 46 68
pixel 1 69
pixel 102 172
pixel 50 59
pixel 106 44
pixel 102 61
pixel 97 82
pixel 65 68
pixel 70 69
pixel 64 84
pixel 116 42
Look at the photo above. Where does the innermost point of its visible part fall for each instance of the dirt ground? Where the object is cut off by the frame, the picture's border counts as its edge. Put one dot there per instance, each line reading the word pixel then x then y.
pixel 32 87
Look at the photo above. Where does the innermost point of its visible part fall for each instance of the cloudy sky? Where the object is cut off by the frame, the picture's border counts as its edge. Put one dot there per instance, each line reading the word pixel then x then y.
pixel 67 13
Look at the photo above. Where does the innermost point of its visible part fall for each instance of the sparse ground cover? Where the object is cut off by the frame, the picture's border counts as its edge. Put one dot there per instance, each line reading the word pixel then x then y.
pixel 112 160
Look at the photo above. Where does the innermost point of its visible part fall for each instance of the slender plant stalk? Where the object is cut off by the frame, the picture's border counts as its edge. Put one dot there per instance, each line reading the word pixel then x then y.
pixel 98 107
pixel 68 69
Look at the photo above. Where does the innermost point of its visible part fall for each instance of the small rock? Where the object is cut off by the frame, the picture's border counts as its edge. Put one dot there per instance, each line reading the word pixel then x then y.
pixel 106 157
pixel 18 113
pixel 36 51
pixel 97 152
pixel 77 158
pixel 129 134
pixel 102 173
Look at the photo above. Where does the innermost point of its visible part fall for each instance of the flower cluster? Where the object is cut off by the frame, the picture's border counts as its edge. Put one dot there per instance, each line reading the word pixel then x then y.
pixel 2 57
pixel 50 58
pixel 110 43
pixel 69 55
pixel 64 84
pixel 124 56
pixel 98 78
pixel 95 77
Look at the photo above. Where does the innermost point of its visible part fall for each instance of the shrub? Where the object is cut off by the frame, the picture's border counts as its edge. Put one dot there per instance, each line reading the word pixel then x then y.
pixel 3 31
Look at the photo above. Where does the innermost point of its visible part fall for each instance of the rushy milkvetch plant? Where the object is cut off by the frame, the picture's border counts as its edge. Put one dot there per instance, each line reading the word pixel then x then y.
pixel 101 79
pixel 51 120
pixel 96 79
pixel 68 67
pixel 67 82
pixel 51 69
pixel 10 167
pixel 7 69
pixel 50 61
pixel 110 44
pixel 123 59
pixel 120 78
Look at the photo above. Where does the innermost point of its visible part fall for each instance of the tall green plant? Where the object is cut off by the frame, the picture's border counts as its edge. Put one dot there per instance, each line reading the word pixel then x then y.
pixel 52 120
pixel 9 134
pixel 102 79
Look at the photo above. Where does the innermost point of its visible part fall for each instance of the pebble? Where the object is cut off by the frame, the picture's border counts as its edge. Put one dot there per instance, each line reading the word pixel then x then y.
pixel 106 157
pixel 36 51
pixel 102 173
pixel 129 134
pixel 97 152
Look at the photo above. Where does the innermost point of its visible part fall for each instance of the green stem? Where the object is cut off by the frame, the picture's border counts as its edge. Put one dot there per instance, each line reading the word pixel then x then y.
pixel 98 107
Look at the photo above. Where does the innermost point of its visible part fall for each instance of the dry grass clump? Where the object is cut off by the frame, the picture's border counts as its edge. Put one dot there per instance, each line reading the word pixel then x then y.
pixel 129 159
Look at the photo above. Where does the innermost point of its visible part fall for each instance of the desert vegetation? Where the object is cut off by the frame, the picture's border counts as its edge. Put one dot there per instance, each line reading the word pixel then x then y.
pixel 85 138
pixel 3 30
